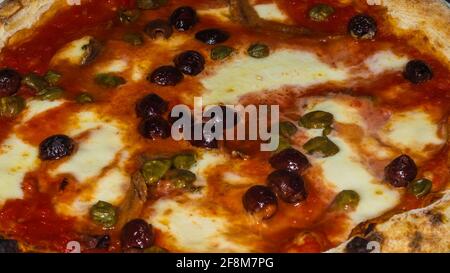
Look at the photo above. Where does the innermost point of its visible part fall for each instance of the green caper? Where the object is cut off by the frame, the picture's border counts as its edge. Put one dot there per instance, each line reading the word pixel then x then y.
pixel 316 120
pixel 322 146
pixel 320 12
pixel 154 170
pixel 287 129
pixel 150 4
pixel 84 98
pixel 52 77
pixel 35 81
pixel 181 179
pixel 283 144
pixel 109 80
pixel 184 161
pixel 129 16
pixel 133 38
pixel 258 51
pixel 155 249
pixel 221 52
pixel 420 187
pixel 11 106
pixel 346 200
pixel 327 130
pixel 50 93
pixel 104 213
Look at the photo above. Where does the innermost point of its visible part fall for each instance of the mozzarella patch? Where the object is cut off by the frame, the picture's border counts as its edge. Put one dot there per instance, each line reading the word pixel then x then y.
pixel 73 52
pixel 271 12
pixel 36 107
pixel 385 61
pixel 205 161
pixel 115 66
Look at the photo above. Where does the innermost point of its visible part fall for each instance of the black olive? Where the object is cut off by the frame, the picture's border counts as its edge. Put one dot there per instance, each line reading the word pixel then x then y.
pixel 289 159
pixel 9 82
pixel 190 62
pixel 56 147
pixel 357 245
pixel 183 18
pixel 417 71
pixel 158 28
pixel 103 242
pixel 207 141
pixel 212 36
pixel 137 234
pixel 362 27
pixel 151 105
pixel 154 127
pixel 166 75
pixel 221 119
pixel 401 171
pixel 289 186
pixel 260 201
pixel 9 246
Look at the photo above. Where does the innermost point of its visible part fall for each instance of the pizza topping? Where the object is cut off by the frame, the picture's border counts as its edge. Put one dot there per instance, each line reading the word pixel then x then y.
pixel 154 127
pixel 158 28
pixel 151 105
pixel 362 27
pixel 184 161
pixel 9 82
pixel 357 245
pixel 346 200
pixel 127 17
pixel 283 144
pixel 288 186
pixel 56 147
pixel 90 51
pixel 34 81
pixel 9 246
pixel 183 18
pixel 258 51
pixel 137 234
pixel 207 141
pixel 316 120
pixel 212 36
pixel 52 77
pixel 104 213
pixel 289 159
pixel 150 4
pixel 260 201
pixel 109 80
pixel 321 146
pixel 133 38
pixel 417 71
pixel 182 179
pixel 420 187
pixel 166 76
pixel 220 114
pixel 190 62
pixel 221 52
pixel 320 12
pixel 154 170
pixel 84 98
pixel 401 171
pixel 287 128
pixel 10 107
pixel 50 93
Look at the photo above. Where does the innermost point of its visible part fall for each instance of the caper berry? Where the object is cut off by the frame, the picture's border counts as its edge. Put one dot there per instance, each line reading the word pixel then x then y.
pixel 150 4
pixel 11 106
pixel 181 179
pixel 52 77
pixel 346 200
pixel 420 187
pixel 283 144
pixel 287 129
pixel 84 98
pixel 320 12
pixel 184 161
pixel 129 16
pixel 109 80
pixel 104 213
pixel 221 52
pixel 316 120
pixel 258 51
pixel 154 170
pixel 321 146
pixel 35 81
pixel 50 93
pixel 133 38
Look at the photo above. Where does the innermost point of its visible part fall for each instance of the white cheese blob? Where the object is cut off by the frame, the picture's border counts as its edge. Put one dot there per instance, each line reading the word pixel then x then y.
pixel 385 61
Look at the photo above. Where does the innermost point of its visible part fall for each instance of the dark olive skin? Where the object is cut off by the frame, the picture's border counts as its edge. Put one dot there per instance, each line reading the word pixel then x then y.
pixel 56 147
pixel 154 127
pixel 212 36
pixel 183 18
pixel 289 159
pixel 151 105
pixel 9 82
pixel 207 142
pixel 417 71
pixel 260 201
pixel 221 120
pixel 137 234
pixel 190 62
pixel 401 171
pixel 158 28
pixel 9 246
pixel 357 245
pixel 362 27
pixel 166 76
pixel 288 186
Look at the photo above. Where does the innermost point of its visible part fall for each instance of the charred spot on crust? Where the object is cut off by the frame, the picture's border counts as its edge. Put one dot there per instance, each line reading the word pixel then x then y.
pixel 416 241
pixel 436 218
pixel 9 246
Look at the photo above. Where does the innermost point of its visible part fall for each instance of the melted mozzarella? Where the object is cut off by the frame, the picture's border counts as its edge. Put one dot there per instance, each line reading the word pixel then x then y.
pixel 36 107
pixel 342 111
pixel 206 160
pixel 114 66
pixel 282 68
pixel 271 12
pixel 385 61
pixel 73 52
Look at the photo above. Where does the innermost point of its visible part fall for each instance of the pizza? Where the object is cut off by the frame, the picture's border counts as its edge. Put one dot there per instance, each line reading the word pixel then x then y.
pixel 116 118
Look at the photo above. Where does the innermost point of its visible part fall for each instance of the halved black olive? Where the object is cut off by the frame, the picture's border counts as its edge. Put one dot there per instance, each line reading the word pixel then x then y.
pixel 9 82
pixel 154 127
pixel 289 186
pixel 183 18
pixel 166 76
pixel 357 245
pixel 9 246
pixel 362 27
pixel 289 159
pixel 260 201
pixel 212 36
pixel 417 71
pixel 151 105
pixel 137 234
pixel 401 171
pixel 207 141
pixel 158 28
pixel 190 62
pixel 221 120
pixel 56 147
